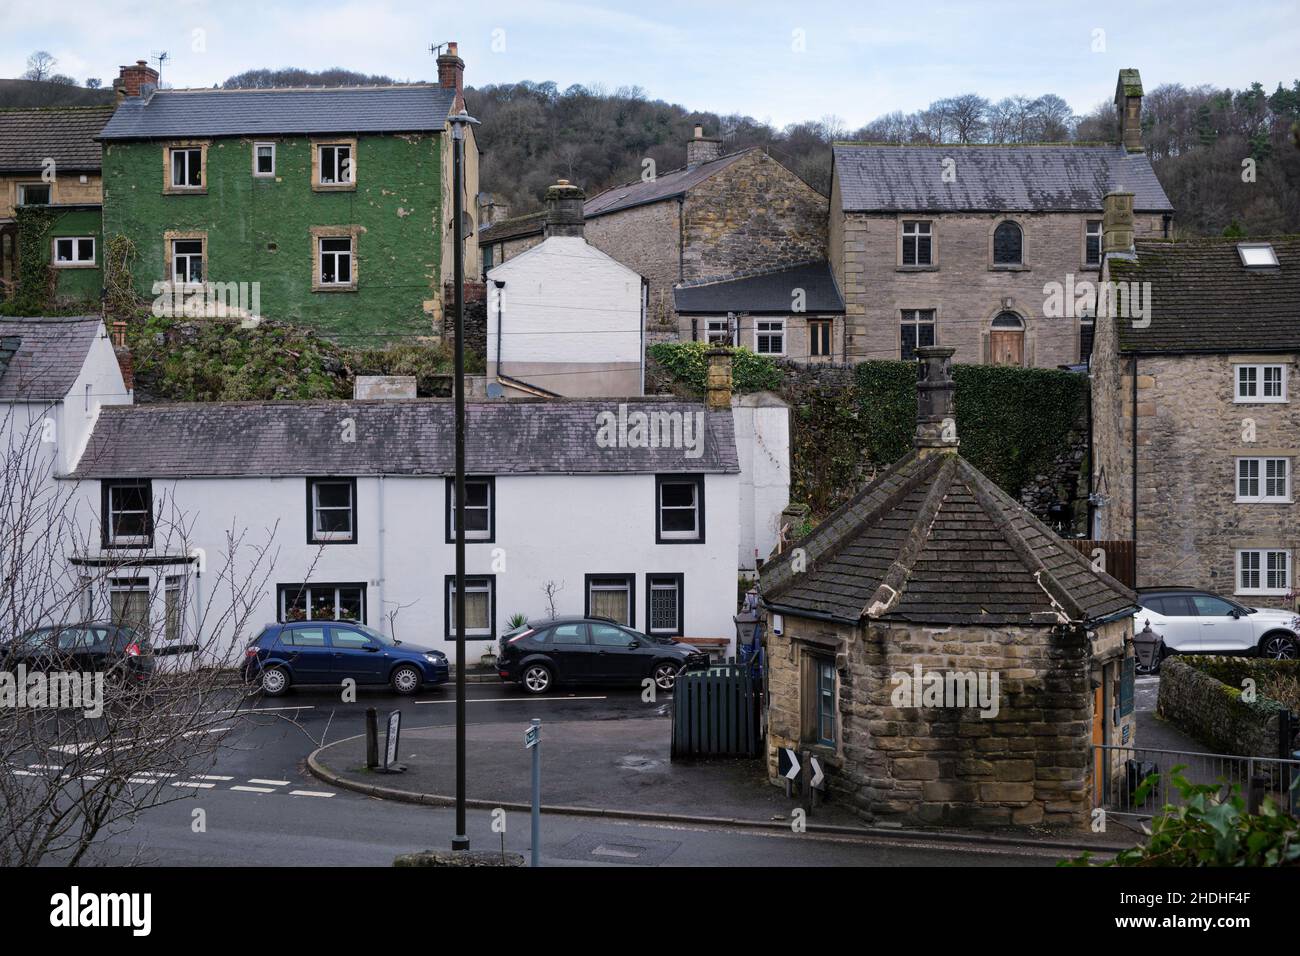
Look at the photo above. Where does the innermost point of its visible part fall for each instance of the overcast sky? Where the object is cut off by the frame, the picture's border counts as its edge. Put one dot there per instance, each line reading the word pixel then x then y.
pixel 779 62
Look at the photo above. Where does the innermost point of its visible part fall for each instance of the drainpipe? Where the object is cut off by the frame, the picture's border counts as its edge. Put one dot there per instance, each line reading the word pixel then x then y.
pixel 500 284
pixel 645 307
pixel 681 238
pixel 1133 372
pixel 380 562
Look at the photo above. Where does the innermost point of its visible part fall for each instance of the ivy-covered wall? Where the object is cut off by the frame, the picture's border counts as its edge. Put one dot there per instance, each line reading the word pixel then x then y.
pixel 1210 699
pixel 79 284
pixel 1020 426
pixel 258 230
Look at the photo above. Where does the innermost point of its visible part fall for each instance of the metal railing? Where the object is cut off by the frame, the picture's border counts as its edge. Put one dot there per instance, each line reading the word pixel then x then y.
pixel 1120 770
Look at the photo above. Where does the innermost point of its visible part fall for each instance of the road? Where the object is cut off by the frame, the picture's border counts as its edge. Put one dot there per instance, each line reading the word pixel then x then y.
pixel 258 806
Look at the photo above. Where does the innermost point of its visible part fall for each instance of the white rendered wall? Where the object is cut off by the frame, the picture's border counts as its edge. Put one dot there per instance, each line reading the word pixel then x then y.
pixel 763 448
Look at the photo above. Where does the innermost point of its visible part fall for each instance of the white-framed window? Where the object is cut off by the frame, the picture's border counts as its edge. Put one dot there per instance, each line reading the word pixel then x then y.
pixel 187 261
pixel 74 251
pixel 187 167
pixel 322 602
pixel 480 596
pixel 918 242
pixel 769 336
pixel 331 503
pixel 264 159
pixel 173 607
pixel 679 508
pixel 128 514
pixel 129 603
pixel 720 331
pixel 1092 242
pixel 480 504
pixel 1263 480
pixel 611 596
pixel 1260 383
pixel 664 604
pixel 34 194
pixel 336 260
pixel 335 164
pixel 916 329
pixel 1263 571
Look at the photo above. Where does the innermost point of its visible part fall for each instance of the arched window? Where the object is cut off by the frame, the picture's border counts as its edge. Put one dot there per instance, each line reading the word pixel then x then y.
pixel 1008 320
pixel 1008 244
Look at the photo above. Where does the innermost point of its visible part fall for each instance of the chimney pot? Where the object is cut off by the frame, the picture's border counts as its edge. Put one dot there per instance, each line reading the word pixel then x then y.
pixel 936 406
pixel 718 380
pixel 564 216
pixel 451 75
pixel 131 80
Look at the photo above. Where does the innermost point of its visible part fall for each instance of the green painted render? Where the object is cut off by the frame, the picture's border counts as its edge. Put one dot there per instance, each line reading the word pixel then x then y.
pixel 259 229
pixel 78 284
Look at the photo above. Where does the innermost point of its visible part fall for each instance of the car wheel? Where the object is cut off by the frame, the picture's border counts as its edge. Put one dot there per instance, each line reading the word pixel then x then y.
pixel 665 675
pixel 275 681
pixel 537 678
pixel 406 679
pixel 1279 647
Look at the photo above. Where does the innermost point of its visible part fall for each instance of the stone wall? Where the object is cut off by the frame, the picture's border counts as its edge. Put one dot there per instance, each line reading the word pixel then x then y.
pixel 475 315
pixel 1065 481
pixel 645 239
pixel 963 288
pixel 1213 712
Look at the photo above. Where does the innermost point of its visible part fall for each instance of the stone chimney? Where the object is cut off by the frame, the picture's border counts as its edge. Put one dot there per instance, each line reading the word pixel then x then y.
pixel 451 75
pixel 491 209
pixel 702 149
pixel 936 406
pixel 131 79
pixel 1117 223
pixel 1128 103
pixel 718 383
pixel 564 210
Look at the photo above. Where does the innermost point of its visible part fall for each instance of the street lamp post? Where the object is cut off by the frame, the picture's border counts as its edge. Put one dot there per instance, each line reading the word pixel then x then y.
pixel 460 841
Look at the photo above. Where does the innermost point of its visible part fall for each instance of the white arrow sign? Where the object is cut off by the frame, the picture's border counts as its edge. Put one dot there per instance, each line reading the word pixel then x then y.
pixel 793 772
pixel 818 776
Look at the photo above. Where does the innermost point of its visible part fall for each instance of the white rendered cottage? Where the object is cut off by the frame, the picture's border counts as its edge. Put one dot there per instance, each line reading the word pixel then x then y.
pixel 343 509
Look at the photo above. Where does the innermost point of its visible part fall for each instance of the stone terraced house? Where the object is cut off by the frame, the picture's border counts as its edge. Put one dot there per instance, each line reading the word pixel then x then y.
pixel 954 244
pixel 1196 422
pixel 932 573
pixel 49 158
pixel 719 216
pixel 335 202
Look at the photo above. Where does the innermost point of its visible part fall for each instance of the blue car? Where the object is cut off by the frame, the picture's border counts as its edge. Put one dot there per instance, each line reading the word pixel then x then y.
pixel 329 652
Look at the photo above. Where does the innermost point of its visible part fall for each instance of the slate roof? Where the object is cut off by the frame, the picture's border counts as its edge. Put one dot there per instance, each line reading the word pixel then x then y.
pixel 934 541
pixel 1047 178
pixel 65 134
pixel 1204 300
pixel 47 356
pixel 393 437
pixel 763 292
pixel 667 185
pixel 362 109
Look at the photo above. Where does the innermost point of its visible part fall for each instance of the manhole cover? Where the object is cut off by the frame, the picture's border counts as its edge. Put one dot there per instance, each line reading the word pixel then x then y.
pixel 617 848
pixel 639 762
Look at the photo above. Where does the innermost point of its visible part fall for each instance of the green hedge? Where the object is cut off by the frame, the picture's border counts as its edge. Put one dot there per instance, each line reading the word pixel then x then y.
pixel 687 362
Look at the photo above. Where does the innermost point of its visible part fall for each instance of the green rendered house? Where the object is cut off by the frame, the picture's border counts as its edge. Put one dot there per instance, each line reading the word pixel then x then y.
pixel 324 207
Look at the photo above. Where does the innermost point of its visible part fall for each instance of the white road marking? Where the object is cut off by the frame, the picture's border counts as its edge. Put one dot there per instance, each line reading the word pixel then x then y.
pixel 261 710
pixel 269 783
pixel 43 766
pixel 129 745
pixel 210 776
pixel 25 773
pixel 503 700
pixel 309 793
pixel 254 789
pixel 193 783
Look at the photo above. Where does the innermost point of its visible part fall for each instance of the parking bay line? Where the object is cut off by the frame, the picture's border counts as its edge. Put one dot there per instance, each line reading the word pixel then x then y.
pixel 504 700
pixel 254 789
pixel 309 793
pixel 269 783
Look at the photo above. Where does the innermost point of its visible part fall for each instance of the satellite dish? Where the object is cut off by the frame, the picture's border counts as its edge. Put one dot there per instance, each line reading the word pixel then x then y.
pixel 494 390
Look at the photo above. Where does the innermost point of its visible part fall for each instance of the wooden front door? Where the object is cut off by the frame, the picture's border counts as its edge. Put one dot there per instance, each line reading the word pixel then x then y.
pixel 1007 346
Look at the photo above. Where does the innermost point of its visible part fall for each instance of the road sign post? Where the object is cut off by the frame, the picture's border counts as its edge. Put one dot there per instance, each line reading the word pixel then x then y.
pixel 533 742
pixel 790 769
pixel 391 745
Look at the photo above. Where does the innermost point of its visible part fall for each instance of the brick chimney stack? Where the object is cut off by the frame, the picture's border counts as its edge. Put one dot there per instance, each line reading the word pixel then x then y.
pixel 1128 103
pixel 130 79
pixel 451 75
pixel 564 210
pixel 702 149
pixel 1117 223
pixel 936 400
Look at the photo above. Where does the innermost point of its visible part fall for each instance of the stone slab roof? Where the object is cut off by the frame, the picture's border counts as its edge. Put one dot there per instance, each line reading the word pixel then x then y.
pixel 1047 178
pixel 1204 300
pixel 45 356
pixel 28 137
pixel 392 437
pixel 763 292
pixel 934 541
pixel 365 109
pixel 516 227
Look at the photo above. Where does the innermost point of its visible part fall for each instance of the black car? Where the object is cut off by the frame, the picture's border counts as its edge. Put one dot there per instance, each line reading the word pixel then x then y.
pixel 592 650
pixel 117 650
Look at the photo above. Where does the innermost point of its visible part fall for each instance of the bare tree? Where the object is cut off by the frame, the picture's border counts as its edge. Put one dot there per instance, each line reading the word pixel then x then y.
pixel 40 66
pixel 84 751
pixel 552 589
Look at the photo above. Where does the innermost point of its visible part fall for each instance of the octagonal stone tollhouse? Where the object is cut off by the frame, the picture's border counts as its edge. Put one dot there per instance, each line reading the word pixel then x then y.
pixel 948 658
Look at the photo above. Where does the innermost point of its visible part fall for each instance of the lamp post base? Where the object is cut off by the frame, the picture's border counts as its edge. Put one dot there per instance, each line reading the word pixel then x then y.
pixel 460 842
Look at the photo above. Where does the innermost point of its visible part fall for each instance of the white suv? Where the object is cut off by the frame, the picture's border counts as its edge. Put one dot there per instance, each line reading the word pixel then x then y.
pixel 1197 622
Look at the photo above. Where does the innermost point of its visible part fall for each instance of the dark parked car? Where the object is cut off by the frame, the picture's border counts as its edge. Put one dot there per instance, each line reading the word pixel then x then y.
pixel 328 652
pixel 589 650
pixel 117 650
